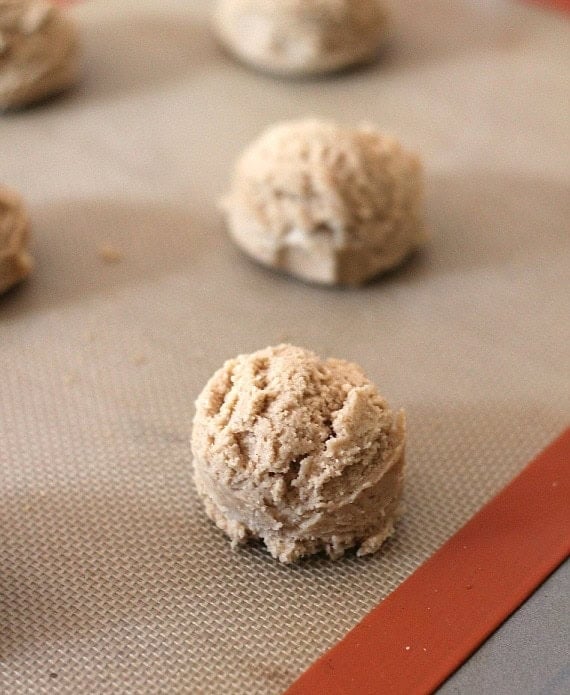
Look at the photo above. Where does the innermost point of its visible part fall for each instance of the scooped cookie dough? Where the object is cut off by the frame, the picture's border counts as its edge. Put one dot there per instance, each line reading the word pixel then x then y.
pixel 39 52
pixel 15 262
pixel 326 203
pixel 302 37
pixel 300 452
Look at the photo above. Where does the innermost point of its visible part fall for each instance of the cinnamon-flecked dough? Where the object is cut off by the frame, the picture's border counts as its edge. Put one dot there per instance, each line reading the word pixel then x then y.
pixel 302 37
pixel 326 203
pixel 15 261
pixel 298 451
pixel 39 52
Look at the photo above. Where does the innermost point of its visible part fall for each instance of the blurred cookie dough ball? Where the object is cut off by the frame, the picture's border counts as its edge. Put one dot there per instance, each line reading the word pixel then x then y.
pixel 325 203
pixel 39 52
pixel 15 262
pixel 301 37
pixel 300 452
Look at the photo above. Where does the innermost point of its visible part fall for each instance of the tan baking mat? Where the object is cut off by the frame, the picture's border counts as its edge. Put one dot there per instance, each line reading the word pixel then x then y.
pixel 112 579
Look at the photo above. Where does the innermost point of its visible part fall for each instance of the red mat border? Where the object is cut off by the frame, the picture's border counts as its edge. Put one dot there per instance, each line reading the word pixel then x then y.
pixel 563 5
pixel 422 632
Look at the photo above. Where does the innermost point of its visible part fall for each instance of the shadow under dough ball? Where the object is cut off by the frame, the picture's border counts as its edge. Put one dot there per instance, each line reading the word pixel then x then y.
pixel 301 452
pixel 301 37
pixel 39 52
pixel 325 203
pixel 15 262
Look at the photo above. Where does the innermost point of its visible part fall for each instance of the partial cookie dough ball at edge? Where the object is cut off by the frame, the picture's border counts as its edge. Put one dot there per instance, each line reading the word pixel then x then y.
pixel 15 261
pixel 300 452
pixel 302 38
pixel 39 53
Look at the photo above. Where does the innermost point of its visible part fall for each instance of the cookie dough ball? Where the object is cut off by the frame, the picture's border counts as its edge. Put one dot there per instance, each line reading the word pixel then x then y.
pixel 15 262
pixel 325 203
pixel 300 452
pixel 301 37
pixel 38 52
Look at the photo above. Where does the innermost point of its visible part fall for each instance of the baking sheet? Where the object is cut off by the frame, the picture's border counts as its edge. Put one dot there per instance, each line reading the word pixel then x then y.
pixel 112 579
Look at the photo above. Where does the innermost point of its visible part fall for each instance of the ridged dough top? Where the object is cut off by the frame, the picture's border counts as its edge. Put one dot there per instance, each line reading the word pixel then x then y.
pixel 301 430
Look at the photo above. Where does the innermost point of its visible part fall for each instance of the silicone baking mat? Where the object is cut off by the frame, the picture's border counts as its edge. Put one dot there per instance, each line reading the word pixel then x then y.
pixel 112 579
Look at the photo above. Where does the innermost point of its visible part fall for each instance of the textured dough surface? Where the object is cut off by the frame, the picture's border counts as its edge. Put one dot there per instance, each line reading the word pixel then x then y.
pixel 302 37
pixel 15 262
pixel 326 203
pixel 39 53
pixel 300 452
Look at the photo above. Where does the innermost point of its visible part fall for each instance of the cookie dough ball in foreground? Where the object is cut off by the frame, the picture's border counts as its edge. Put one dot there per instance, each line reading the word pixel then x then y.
pixel 38 52
pixel 15 262
pixel 325 203
pixel 302 37
pixel 300 452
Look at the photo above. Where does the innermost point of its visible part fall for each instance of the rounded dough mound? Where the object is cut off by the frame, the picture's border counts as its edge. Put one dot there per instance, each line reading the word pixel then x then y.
pixel 15 262
pixel 38 52
pixel 300 452
pixel 301 37
pixel 325 203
